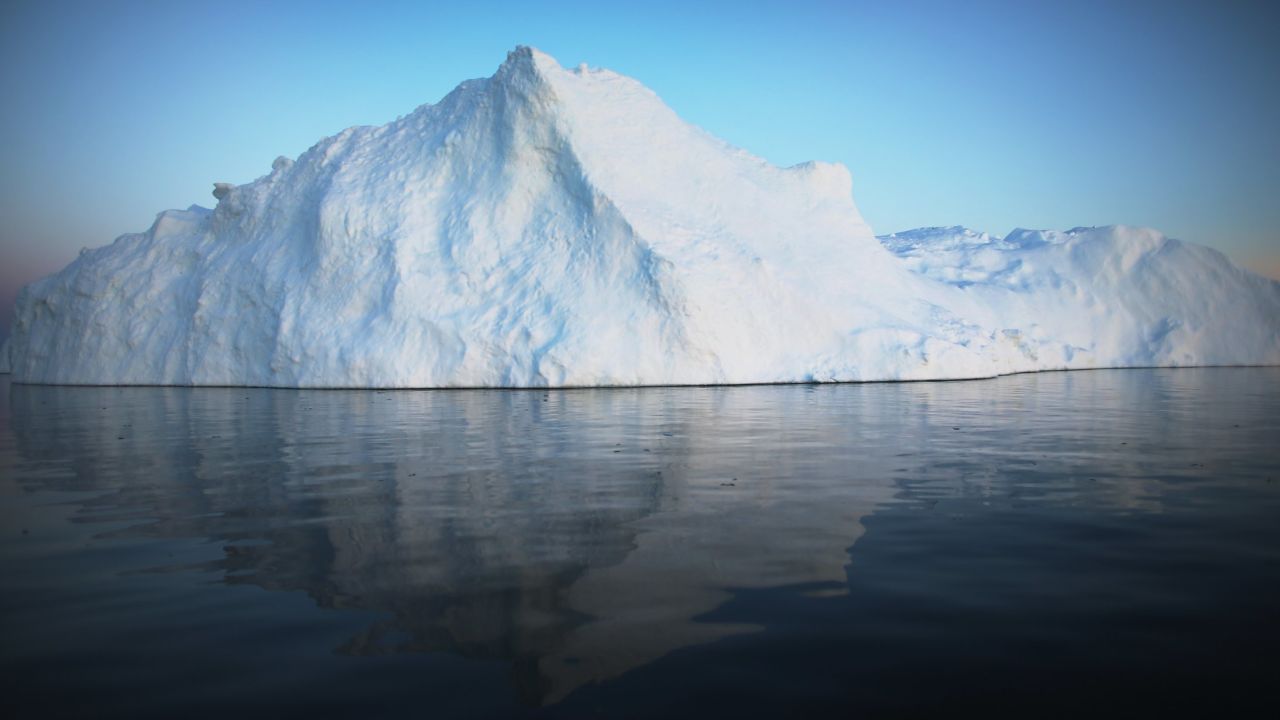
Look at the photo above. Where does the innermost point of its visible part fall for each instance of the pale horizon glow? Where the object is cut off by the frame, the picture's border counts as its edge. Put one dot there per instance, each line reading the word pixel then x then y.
pixel 993 115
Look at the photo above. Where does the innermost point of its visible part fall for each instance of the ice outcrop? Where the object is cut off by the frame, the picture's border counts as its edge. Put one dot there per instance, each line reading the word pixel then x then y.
pixel 221 190
pixel 552 227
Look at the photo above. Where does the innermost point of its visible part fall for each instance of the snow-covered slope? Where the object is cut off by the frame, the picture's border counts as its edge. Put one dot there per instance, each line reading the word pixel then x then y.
pixel 555 227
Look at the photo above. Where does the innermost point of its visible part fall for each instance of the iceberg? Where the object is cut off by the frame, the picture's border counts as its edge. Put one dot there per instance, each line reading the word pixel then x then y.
pixel 553 227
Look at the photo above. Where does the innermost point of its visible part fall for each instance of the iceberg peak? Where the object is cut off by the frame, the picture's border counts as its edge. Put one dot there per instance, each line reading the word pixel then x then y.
pixel 525 64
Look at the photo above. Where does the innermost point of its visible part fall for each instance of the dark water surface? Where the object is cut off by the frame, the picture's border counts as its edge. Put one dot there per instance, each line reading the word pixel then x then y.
pixel 1053 543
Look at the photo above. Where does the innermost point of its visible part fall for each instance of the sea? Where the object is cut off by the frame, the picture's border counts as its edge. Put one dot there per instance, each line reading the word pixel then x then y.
pixel 1045 544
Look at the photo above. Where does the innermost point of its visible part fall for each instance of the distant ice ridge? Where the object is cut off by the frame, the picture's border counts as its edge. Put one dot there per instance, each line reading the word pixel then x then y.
pixel 1112 296
pixel 552 227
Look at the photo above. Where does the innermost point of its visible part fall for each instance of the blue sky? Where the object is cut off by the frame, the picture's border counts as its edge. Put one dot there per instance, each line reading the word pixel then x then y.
pixel 993 114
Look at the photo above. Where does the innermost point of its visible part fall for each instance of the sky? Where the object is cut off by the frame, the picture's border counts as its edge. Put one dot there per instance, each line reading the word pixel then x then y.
pixel 989 114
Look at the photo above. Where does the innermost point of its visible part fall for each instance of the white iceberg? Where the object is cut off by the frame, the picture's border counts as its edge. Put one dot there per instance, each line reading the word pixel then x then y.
pixel 552 227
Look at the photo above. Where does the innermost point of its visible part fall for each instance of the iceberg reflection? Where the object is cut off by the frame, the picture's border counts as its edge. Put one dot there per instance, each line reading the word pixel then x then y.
pixel 576 534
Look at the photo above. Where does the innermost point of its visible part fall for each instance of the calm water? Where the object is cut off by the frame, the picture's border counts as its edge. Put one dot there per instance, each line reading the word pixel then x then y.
pixel 1071 541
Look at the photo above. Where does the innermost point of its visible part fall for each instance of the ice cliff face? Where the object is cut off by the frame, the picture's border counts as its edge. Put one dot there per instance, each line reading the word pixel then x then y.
pixel 554 227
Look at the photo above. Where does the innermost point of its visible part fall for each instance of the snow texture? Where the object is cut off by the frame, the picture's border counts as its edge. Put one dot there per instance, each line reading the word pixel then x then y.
pixel 552 227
